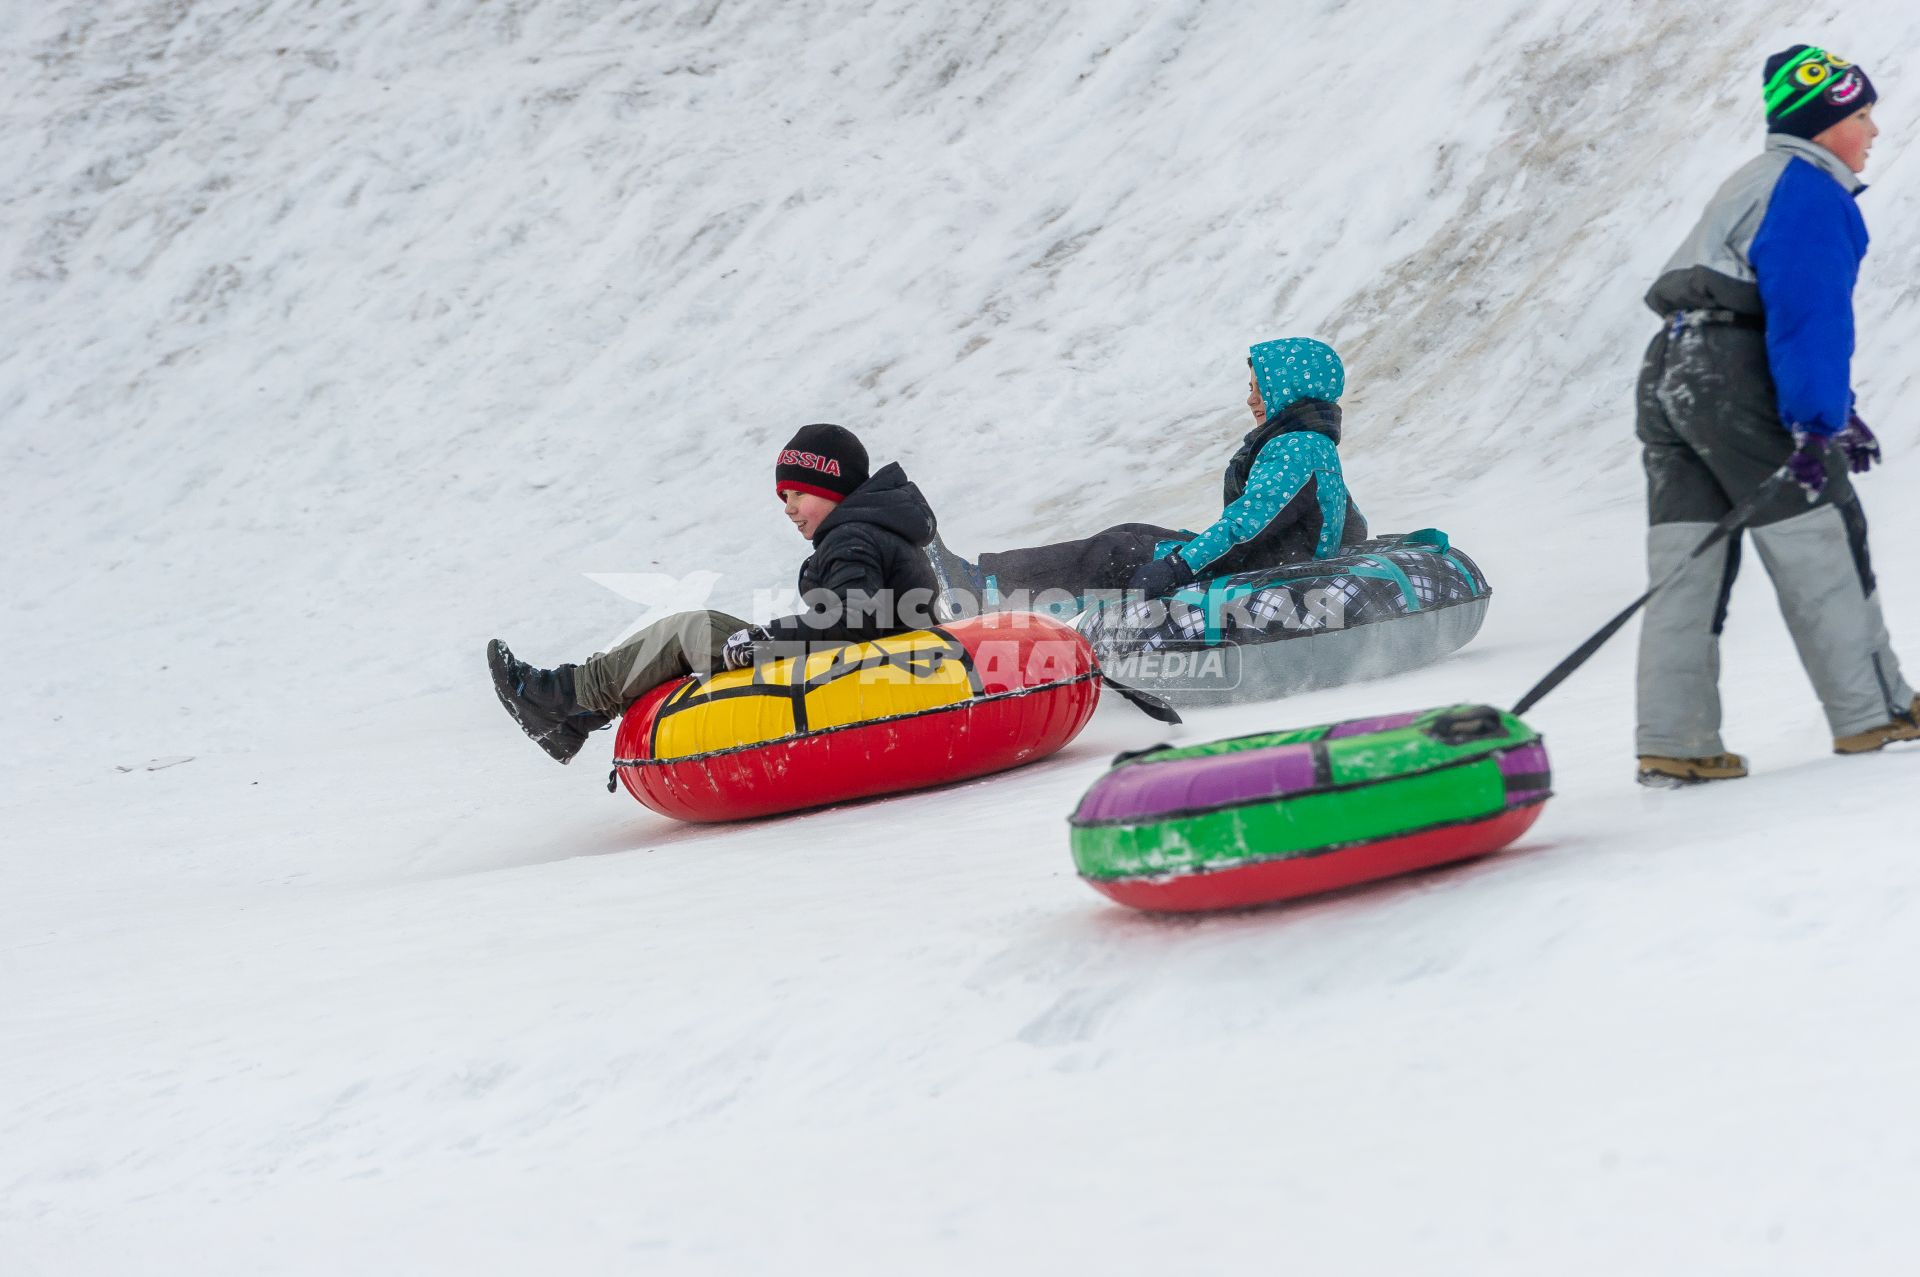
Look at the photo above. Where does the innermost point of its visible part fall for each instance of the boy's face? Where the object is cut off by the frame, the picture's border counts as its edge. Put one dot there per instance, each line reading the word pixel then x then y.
pixel 1851 139
pixel 806 509
pixel 1254 401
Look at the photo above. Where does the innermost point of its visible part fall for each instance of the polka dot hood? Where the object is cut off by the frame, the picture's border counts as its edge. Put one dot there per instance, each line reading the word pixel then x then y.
pixel 1296 368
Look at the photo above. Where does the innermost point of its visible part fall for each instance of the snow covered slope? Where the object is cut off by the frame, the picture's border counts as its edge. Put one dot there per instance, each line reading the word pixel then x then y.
pixel 341 337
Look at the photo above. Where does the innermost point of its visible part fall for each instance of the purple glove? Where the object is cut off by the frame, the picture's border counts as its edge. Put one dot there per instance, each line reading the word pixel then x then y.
pixel 1808 464
pixel 1862 449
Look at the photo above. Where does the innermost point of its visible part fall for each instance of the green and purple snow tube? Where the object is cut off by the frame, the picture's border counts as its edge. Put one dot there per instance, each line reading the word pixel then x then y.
pixel 1256 819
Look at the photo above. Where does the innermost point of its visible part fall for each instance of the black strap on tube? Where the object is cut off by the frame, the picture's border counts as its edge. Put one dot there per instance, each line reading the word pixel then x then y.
pixel 1147 703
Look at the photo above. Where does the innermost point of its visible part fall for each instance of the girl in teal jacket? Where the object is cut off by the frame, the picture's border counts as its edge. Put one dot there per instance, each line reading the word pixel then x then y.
pixel 1285 497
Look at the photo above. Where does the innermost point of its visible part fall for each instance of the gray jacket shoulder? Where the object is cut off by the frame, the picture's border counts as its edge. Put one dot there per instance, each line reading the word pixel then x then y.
pixel 1719 240
pixel 1711 269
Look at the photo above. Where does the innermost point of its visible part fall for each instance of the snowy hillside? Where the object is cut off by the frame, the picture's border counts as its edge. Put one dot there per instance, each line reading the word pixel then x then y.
pixel 342 337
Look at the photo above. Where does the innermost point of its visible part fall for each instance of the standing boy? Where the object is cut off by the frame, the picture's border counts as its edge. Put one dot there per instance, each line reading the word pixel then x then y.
pixel 868 576
pixel 1751 372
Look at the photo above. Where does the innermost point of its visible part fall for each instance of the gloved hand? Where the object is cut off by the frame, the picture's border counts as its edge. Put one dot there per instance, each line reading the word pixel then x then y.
pixel 1808 464
pixel 738 651
pixel 1160 578
pixel 1862 449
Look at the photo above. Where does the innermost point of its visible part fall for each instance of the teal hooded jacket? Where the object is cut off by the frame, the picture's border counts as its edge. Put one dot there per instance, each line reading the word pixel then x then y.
pixel 1286 497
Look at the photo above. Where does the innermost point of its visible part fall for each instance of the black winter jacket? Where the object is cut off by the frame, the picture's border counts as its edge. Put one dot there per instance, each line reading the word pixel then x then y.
pixel 868 575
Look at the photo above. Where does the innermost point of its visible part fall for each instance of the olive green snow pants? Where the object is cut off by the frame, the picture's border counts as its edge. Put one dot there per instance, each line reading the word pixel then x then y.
pixel 678 645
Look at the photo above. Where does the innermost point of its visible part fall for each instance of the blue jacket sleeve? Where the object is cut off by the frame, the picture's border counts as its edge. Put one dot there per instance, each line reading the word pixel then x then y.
pixel 1806 256
pixel 1279 473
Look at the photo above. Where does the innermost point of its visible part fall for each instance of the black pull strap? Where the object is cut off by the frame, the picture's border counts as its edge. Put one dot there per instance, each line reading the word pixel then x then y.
pixel 1146 702
pixel 1734 520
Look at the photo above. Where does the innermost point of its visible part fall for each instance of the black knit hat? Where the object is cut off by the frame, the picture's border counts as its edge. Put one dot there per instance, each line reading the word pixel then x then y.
pixel 1809 90
pixel 827 461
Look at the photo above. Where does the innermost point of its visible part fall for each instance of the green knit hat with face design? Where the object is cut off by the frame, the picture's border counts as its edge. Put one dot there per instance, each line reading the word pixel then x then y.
pixel 1810 90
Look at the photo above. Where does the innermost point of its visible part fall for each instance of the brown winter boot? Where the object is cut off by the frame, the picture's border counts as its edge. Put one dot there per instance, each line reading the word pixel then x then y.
pixel 1907 727
pixel 1657 772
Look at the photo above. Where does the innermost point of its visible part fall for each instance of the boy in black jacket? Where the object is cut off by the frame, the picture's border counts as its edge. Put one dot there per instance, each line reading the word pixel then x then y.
pixel 867 577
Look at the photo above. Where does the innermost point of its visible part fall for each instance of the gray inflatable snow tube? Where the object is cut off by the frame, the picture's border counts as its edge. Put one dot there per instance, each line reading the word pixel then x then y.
pixel 1382 607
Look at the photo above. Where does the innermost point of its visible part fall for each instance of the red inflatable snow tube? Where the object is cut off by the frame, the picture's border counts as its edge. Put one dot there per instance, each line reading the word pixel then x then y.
pixel 905 712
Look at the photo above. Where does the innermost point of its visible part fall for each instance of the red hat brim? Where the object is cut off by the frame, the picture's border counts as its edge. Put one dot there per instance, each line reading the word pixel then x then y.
pixel 781 487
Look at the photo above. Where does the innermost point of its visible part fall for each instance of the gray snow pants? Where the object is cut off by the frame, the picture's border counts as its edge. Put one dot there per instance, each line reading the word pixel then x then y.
pixel 673 647
pixel 1711 434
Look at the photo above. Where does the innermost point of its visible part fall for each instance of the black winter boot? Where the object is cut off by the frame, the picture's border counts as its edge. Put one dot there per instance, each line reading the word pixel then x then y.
pixel 542 702
pixel 566 740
